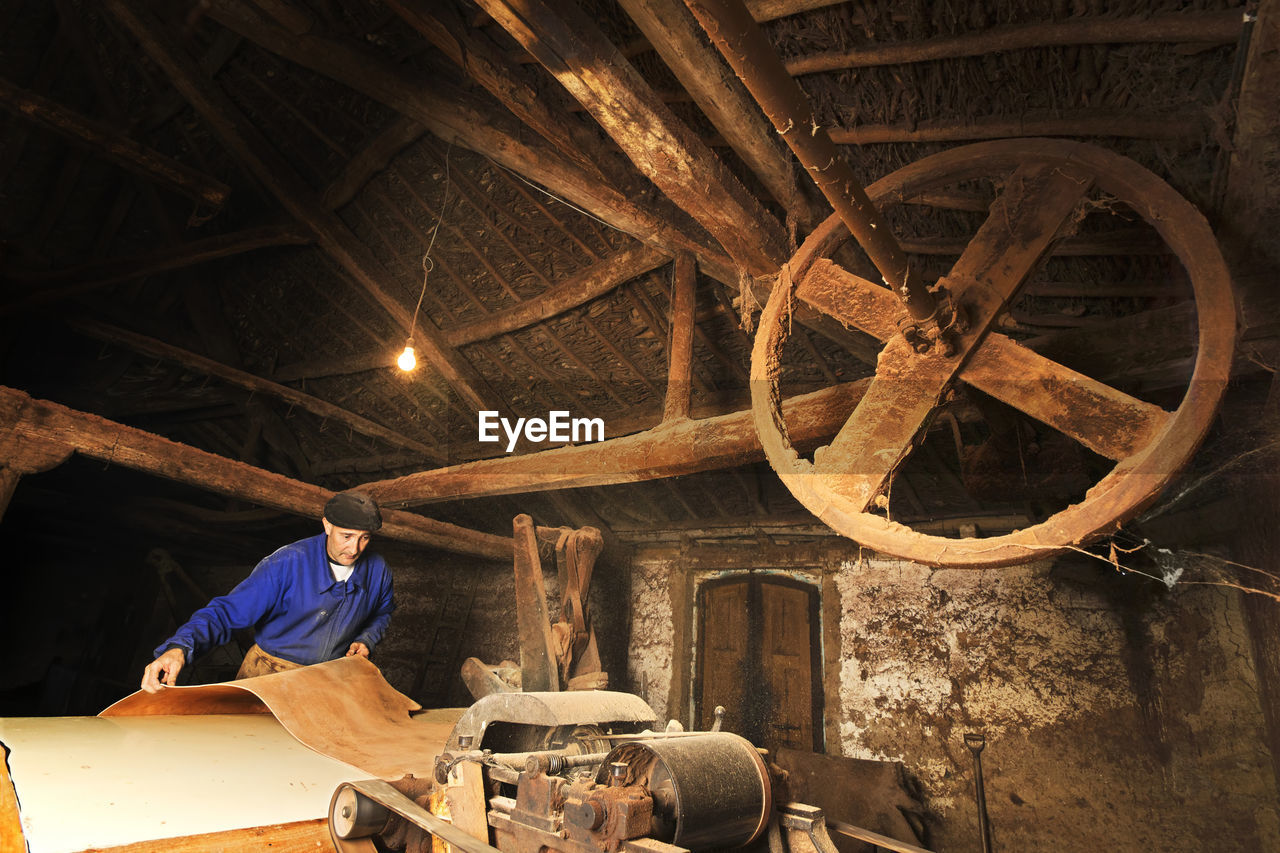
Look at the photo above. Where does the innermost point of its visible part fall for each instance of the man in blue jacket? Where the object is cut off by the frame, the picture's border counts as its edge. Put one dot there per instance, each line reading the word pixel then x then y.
pixel 315 600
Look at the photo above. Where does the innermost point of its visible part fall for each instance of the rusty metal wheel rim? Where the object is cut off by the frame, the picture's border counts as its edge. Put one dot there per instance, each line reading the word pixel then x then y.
pixel 1136 480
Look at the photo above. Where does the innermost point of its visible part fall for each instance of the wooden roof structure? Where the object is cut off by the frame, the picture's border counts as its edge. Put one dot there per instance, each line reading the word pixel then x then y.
pixel 222 220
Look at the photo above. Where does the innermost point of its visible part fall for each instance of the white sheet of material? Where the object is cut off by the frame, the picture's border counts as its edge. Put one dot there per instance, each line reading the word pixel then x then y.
pixel 102 781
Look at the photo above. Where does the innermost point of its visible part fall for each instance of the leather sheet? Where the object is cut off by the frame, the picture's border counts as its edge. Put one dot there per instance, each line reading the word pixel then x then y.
pixel 343 709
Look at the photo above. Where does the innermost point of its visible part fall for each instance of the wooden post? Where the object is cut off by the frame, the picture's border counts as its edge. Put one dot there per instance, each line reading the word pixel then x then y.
pixel 537 648
pixel 680 352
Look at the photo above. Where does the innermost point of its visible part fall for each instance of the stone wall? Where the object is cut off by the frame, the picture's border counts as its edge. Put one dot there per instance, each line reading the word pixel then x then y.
pixel 1118 713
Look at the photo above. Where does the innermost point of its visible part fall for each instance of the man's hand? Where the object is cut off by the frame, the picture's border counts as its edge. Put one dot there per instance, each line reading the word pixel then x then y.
pixel 169 665
pixel 358 649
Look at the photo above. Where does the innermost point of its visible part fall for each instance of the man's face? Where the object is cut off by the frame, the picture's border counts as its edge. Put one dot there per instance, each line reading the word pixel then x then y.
pixel 344 544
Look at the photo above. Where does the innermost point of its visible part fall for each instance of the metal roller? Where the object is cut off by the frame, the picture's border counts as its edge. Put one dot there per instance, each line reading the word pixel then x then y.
pixel 709 790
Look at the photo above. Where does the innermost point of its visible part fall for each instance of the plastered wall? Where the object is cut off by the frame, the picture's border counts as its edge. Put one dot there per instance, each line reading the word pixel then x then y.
pixel 1118 713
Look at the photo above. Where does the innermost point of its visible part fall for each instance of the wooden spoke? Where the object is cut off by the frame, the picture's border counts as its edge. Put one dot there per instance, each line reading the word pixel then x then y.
pixel 1023 222
pixel 831 289
pixel 879 433
pixel 1108 422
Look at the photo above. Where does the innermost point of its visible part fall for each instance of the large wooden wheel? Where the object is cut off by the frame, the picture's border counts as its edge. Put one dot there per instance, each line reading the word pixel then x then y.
pixel 1044 185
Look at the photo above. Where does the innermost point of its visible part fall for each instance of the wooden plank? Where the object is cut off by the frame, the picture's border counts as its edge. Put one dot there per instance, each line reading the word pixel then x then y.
pixel 274 171
pixel 467 803
pixel 1036 201
pixel 538 670
pixel 110 144
pixel 115 443
pixel 570 45
pixel 151 346
pixel 1103 419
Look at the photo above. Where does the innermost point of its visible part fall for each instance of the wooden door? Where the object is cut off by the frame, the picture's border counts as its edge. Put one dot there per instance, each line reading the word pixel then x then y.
pixel 723 657
pixel 758 658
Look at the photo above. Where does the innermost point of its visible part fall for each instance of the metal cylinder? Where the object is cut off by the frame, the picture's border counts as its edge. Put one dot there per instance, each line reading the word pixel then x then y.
pixel 709 791
pixel 352 815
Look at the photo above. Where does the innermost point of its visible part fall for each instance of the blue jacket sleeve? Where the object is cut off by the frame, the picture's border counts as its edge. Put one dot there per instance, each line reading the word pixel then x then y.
pixel 212 625
pixel 376 626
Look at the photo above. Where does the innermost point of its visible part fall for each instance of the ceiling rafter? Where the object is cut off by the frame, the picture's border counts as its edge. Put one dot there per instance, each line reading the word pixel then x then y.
pixel 44 286
pixel 675 34
pixel 1201 28
pixel 451 114
pixel 567 43
pixel 274 172
pixel 110 144
pixel 150 346
pixel 506 82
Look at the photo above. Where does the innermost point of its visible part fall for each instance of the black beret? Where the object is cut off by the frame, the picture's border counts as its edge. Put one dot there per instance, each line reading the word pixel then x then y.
pixel 354 511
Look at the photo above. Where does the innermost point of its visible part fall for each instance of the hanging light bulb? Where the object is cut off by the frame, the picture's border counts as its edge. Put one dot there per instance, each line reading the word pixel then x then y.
pixel 407 360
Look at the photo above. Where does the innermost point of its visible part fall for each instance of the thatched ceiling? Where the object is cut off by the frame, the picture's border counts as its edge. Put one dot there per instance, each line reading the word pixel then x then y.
pixel 296 166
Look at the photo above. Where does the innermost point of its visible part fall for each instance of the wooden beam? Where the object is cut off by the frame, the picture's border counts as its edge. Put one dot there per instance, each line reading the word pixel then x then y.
pixel 201 364
pixel 668 450
pixel 98 438
pixel 319 368
pixel 680 352
pixel 580 288
pixel 394 138
pixel 570 46
pixel 507 82
pixel 1221 27
pixel 110 144
pixel 454 115
pixel 42 286
pixel 1060 123
pixel 702 71
pixel 273 170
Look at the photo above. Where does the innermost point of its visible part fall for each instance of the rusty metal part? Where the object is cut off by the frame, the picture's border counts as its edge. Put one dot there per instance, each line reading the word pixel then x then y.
pixel 709 789
pixel 605 817
pixel 1149 444
pixel 976 741
pixel 753 58
pixel 545 711
pixel 806 828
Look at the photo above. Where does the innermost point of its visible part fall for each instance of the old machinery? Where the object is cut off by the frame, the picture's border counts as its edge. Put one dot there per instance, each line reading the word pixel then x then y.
pixel 1046 184
pixel 941 335
pixel 576 772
